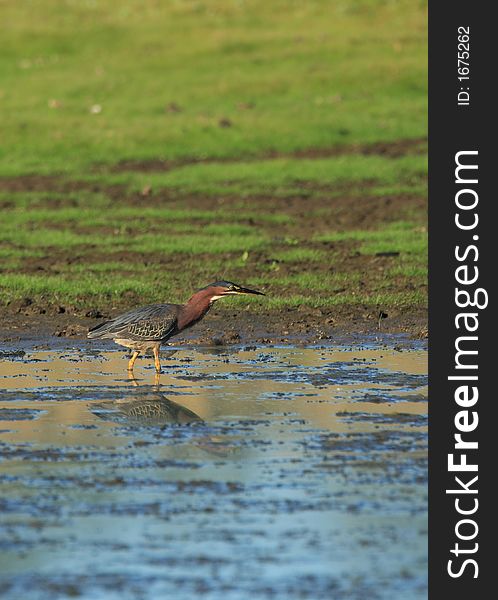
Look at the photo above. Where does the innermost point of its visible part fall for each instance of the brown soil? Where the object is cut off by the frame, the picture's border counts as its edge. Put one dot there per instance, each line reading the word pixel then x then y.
pixel 224 327
pixel 393 149
pixel 56 183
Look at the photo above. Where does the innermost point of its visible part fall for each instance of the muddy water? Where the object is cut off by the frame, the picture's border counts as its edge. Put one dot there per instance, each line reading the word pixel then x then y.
pixel 241 474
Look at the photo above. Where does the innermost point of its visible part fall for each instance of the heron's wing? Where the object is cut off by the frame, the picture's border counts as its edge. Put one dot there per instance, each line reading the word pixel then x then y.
pixel 154 322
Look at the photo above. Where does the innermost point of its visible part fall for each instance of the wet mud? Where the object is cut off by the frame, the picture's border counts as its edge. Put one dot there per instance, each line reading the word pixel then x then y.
pixel 240 472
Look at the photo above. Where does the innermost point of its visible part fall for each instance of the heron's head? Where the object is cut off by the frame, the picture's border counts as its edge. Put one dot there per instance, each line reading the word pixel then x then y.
pixel 219 289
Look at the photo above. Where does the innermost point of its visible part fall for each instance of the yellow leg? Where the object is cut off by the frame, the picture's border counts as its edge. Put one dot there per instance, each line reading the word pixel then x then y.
pixel 132 360
pixel 156 359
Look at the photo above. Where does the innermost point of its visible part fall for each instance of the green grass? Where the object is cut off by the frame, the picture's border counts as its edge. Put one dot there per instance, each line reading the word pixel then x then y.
pixel 60 289
pixel 278 176
pixel 398 300
pixel 403 237
pixel 287 75
pixel 411 271
pixel 89 288
pixel 230 91
pixel 167 244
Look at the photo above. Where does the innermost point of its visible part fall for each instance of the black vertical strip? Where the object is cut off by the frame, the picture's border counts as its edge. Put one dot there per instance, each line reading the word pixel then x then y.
pixel 453 129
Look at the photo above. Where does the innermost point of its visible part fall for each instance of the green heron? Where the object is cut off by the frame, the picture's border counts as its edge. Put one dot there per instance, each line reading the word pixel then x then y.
pixel 147 327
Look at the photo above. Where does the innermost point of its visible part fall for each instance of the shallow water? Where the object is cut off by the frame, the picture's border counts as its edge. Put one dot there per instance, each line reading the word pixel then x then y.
pixel 241 474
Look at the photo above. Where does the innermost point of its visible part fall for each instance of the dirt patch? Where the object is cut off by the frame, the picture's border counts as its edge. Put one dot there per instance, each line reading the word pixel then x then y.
pixel 392 149
pixel 308 214
pixel 56 183
pixel 29 183
pixel 337 207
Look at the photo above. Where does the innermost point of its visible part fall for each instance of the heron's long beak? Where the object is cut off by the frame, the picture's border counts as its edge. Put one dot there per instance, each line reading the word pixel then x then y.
pixel 248 291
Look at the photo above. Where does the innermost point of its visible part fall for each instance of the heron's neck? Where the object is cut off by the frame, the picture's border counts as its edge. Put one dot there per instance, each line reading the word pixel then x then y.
pixel 194 309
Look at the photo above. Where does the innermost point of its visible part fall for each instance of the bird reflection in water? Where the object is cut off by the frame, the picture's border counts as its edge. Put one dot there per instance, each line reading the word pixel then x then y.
pixel 146 405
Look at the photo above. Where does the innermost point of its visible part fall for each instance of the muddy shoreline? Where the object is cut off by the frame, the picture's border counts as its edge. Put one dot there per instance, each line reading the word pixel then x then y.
pixel 223 327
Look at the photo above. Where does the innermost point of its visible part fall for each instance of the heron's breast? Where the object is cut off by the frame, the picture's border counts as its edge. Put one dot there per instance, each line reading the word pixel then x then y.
pixel 136 345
